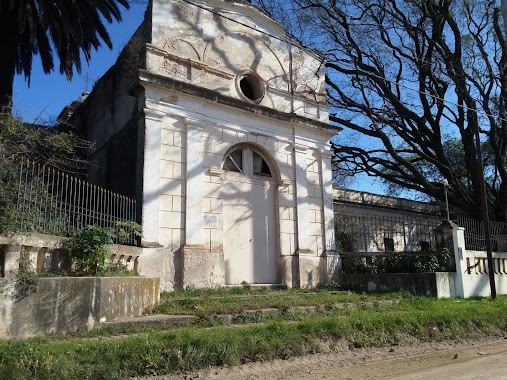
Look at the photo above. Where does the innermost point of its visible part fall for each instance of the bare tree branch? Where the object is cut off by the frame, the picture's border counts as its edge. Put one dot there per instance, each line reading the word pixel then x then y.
pixel 412 81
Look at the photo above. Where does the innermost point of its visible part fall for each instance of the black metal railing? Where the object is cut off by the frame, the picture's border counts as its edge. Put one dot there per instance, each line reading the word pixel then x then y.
pixel 474 234
pixel 377 233
pixel 39 198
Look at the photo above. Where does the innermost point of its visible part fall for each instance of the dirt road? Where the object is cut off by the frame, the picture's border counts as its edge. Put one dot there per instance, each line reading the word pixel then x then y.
pixel 487 361
pixel 484 359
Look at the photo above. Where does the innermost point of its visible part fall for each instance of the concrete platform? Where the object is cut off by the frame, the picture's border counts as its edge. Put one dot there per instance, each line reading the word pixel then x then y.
pixel 152 320
pixel 258 286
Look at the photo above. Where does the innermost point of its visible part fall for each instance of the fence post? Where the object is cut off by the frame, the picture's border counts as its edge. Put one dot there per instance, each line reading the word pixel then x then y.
pixel 451 236
pixel 458 234
pixel 444 240
pixel 444 236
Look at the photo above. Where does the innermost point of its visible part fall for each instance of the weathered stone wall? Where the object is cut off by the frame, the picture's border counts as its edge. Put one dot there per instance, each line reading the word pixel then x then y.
pixel 111 117
pixel 44 254
pixel 438 284
pixel 202 48
pixel 312 271
pixel 69 304
pixel 164 263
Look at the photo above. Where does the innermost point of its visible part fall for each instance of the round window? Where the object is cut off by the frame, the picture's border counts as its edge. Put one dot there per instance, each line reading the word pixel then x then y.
pixel 251 87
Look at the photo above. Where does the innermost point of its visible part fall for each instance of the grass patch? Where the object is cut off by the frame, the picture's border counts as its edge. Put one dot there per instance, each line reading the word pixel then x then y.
pixel 219 292
pixel 237 300
pixel 166 351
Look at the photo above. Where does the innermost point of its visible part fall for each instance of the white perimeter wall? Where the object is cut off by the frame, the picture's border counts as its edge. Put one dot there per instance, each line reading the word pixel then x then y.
pixel 472 277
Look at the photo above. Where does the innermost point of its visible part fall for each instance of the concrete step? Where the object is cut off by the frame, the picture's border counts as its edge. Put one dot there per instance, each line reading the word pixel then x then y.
pixel 152 320
pixel 258 286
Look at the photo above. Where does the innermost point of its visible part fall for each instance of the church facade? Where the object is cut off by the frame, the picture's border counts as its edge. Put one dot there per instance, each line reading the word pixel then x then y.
pixel 217 123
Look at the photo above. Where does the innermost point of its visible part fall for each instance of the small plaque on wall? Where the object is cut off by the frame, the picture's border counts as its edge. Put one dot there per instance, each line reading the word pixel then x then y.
pixel 210 221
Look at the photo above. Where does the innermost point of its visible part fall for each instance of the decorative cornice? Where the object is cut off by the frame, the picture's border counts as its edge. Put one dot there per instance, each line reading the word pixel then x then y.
pixel 296 97
pixel 195 123
pixel 228 75
pixel 305 252
pixel 154 115
pixel 186 61
pixel 147 79
pixel 300 148
pixel 327 153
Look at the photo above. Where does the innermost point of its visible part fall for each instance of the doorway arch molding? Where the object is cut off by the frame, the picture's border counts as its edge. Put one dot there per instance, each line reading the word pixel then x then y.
pixel 263 152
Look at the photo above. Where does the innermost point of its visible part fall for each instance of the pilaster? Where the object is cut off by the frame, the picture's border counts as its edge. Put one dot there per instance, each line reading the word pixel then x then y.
pixel 198 263
pixel 303 219
pixel 194 184
pixel 151 176
pixel 327 201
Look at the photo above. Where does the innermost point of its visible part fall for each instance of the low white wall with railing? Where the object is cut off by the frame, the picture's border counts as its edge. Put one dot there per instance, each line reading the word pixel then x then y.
pixel 472 276
pixel 45 254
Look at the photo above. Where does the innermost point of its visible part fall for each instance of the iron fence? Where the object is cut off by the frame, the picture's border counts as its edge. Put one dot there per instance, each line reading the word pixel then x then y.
pixel 357 232
pixel 38 198
pixel 474 234
pixel 404 243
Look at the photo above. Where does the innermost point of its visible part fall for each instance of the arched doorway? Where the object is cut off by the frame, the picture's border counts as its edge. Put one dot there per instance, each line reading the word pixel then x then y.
pixel 250 228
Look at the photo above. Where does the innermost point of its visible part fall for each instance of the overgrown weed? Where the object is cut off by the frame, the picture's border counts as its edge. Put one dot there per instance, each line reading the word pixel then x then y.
pixel 181 349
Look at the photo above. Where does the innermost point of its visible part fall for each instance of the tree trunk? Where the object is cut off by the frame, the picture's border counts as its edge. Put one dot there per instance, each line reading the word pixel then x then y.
pixel 7 62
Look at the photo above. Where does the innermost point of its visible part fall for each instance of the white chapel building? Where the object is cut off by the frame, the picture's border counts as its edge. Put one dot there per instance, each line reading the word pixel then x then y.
pixel 217 124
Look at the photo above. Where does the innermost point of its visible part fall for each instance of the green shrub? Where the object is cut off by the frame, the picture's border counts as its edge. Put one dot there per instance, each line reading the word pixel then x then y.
pixel 344 241
pixel 26 278
pixel 88 248
pixel 360 266
pixel 88 251
pixel 400 263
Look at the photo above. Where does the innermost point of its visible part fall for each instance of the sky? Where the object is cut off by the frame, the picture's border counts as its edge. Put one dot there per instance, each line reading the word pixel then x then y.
pixel 49 94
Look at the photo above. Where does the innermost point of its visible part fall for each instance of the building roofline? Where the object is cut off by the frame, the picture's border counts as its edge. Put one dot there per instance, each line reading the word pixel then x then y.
pixel 147 78
pixel 371 200
pixel 256 12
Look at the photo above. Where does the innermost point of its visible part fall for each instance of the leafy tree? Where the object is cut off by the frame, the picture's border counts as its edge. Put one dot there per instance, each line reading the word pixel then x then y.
pixel 29 27
pixel 57 145
pixel 406 78
pixel 453 148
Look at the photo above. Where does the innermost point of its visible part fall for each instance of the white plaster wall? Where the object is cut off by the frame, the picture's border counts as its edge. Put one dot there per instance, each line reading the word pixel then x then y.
pixel 222 128
pixel 172 182
pixel 476 283
pixel 194 45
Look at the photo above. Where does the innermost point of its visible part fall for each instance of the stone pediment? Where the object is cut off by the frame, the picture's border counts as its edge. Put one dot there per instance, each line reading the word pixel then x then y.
pixel 233 48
